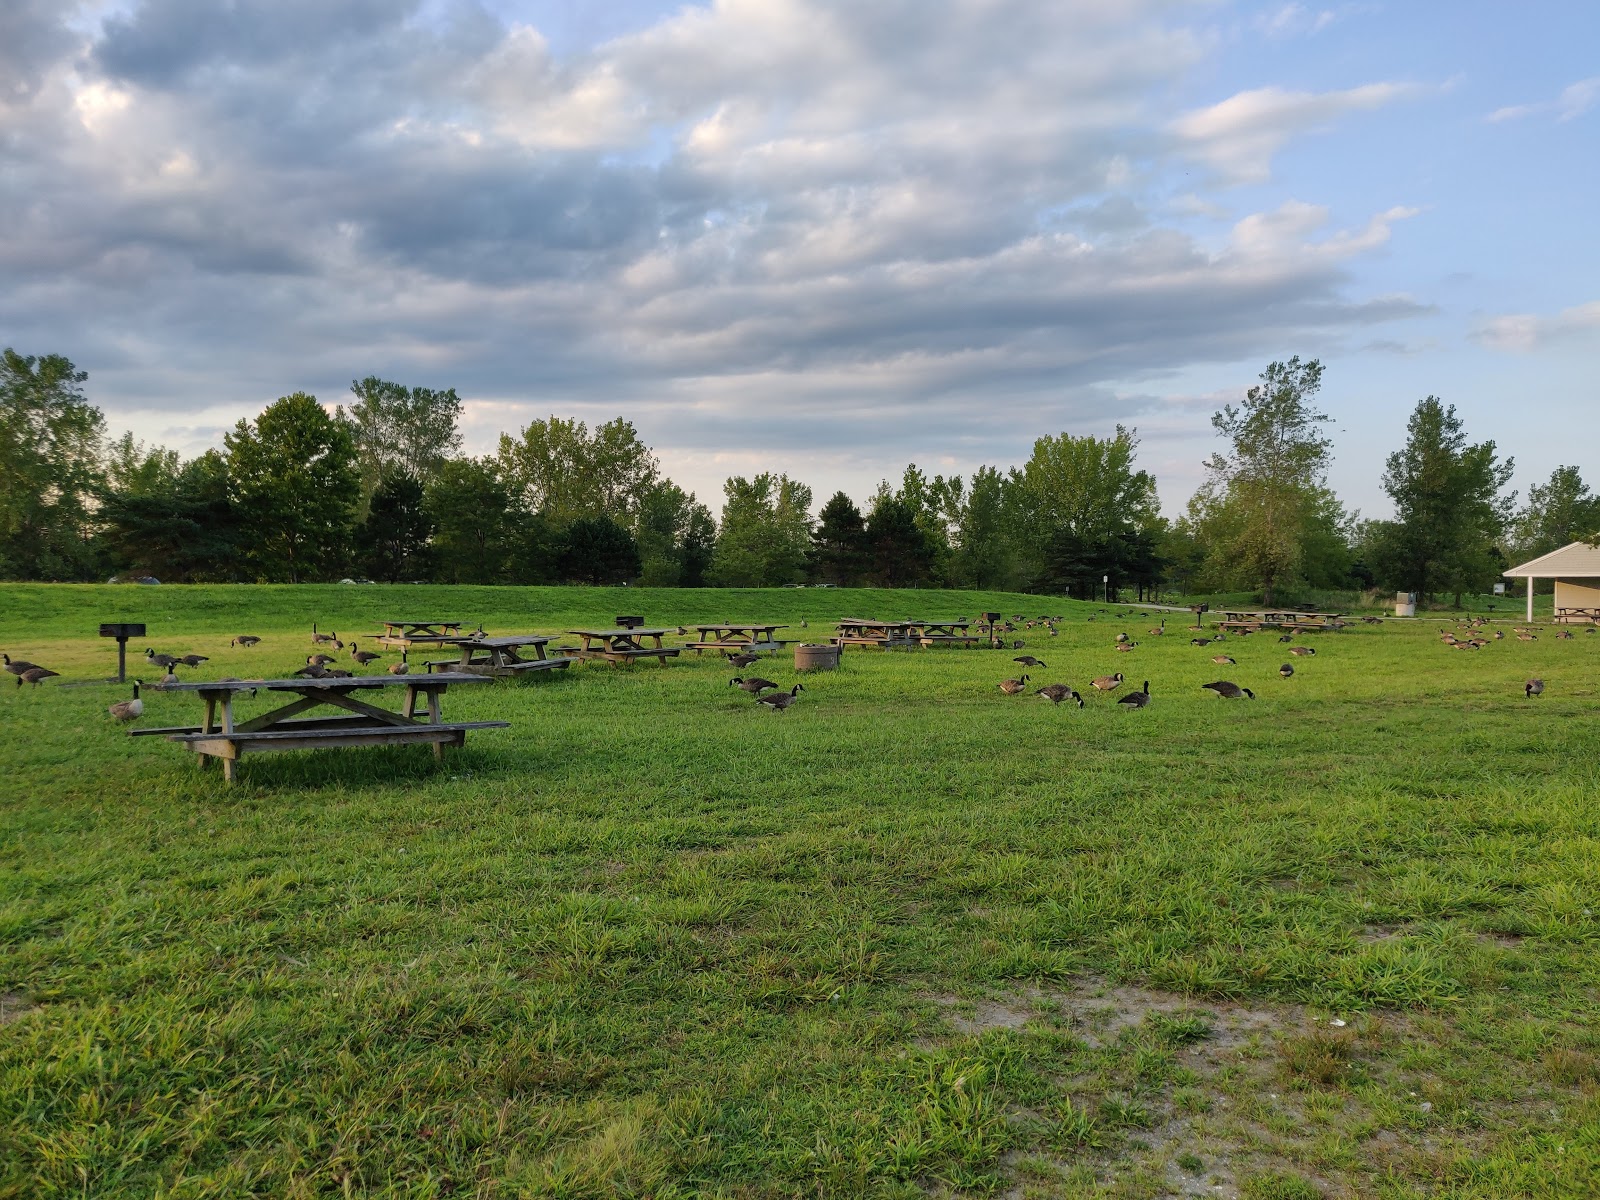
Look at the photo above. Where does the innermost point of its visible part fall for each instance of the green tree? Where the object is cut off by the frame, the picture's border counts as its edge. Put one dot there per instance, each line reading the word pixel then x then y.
pixel 471 510
pixel 699 547
pixel 50 468
pixel 1269 488
pixel 1449 511
pixel 839 543
pixel 765 532
pixel 168 520
pixel 394 539
pixel 666 517
pixel 1559 511
pixel 901 554
pixel 396 429
pixel 559 468
pixel 984 554
pixel 294 487
pixel 599 552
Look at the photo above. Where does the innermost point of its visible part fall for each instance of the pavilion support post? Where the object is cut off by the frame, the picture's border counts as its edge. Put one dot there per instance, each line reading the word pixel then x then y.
pixel 1530 599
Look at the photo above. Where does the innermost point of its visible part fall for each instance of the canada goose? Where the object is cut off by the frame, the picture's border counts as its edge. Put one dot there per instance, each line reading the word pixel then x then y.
pixel 246 640
pixel 1302 651
pixel 755 685
pixel 1122 637
pixel 170 679
pixel 1288 637
pixel 319 660
pixel 192 660
pixel 1199 641
pixel 1286 670
pixel 127 710
pixel 1018 645
pixel 1564 634
pixel 1012 687
pixel 323 639
pixel 1159 630
pixel 742 660
pixel 18 666
pixel 1229 691
pixel 803 624
pixel 399 668
pixel 1527 637
pixel 1136 699
pixel 1534 687
pixel 160 660
pixel 1057 692
pixel 1500 635
pixel 36 676
pixel 1108 683
pixel 336 673
pixel 1028 660
pixel 313 670
pixel 1125 648
pixel 781 700
pixel 363 656
pixel 1223 659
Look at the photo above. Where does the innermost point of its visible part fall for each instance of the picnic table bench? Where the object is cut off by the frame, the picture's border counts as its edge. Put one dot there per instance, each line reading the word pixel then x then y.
pixel 1566 614
pixel 360 724
pixel 402 635
pixel 736 637
pixel 623 645
pixel 944 633
pixel 858 631
pixel 499 657
pixel 1278 618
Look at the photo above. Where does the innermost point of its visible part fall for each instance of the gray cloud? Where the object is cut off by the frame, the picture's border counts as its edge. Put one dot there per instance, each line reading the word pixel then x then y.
pixel 744 222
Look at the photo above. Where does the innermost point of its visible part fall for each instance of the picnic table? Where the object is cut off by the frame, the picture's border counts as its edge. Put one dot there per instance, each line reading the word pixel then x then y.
pixel 402 635
pixel 944 633
pixel 498 656
pixel 736 637
pixel 359 724
pixel 858 631
pixel 623 645
pixel 1278 618
pixel 1566 614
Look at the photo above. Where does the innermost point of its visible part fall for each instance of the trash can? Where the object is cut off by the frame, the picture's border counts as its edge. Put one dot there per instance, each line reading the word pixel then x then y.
pixel 814 657
pixel 1405 604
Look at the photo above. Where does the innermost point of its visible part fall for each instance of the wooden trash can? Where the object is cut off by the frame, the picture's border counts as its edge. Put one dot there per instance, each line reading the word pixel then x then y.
pixel 814 657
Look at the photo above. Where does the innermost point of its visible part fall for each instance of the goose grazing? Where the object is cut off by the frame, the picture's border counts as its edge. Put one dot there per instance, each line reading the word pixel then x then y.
pixel 319 660
pixel 1018 645
pixel 1108 683
pixel 755 685
pixel 781 700
pixel 1534 687
pixel 17 666
pixel 313 670
pixel 1288 637
pixel 1302 651
pixel 127 710
pixel 1057 692
pixel 742 660
pixel 399 668
pixel 363 656
pixel 1286 670
pixel 160 660
pixel 191 660
pixel 1229 691
pixel 1223 660
pixel 336 673
pixel 246 640
pixel 36 676
pixel 1029 660
pixel 323 639
pixel 1013 687
pixel 1136 699
pixel 1199 641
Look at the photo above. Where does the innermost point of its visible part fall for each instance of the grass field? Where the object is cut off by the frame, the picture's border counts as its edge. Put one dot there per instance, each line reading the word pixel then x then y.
pixel 910 938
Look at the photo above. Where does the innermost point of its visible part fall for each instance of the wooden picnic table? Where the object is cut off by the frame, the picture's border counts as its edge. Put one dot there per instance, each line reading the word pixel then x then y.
pixel 623 645
pixel 360 724
pixel 858 631
pixel 498 656
pixel 944 633
pixel 1277 618
pixel 402 635
pixel 1566 614
pixel 736 637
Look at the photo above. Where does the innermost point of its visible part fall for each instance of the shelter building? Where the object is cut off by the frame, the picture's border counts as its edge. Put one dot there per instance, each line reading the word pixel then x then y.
pixel 1576 570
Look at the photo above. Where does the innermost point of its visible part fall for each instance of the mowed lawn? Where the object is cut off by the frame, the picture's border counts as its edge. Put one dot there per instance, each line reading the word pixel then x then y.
pixel 912 937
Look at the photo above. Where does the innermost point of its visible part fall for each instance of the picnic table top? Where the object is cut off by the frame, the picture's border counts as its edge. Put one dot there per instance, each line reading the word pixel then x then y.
pixel 621 633
pixel 736 628
pixel 1275 612
pixel 863 623
pixel 513 639
pixel 324 685
pixel 956 624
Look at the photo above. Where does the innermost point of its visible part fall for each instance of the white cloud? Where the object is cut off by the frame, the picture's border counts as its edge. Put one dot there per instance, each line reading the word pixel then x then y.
pixel 1526 332
pixel 1575 100
pixel 1239 136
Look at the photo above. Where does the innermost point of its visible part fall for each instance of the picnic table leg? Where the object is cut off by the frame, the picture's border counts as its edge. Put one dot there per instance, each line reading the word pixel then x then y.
pixel 227 770
pixel 434 719
pixel 211 711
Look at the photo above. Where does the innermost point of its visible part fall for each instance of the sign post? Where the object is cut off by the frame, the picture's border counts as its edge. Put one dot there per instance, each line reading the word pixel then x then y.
pixel 122 633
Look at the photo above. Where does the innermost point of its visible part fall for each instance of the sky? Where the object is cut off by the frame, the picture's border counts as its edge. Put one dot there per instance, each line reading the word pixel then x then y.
pixel 823 237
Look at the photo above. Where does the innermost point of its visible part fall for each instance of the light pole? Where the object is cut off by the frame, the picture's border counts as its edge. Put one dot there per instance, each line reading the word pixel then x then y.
pixel 1105 589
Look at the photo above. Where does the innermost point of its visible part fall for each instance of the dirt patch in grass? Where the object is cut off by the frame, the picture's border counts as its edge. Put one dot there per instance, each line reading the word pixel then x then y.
pixel 13 1007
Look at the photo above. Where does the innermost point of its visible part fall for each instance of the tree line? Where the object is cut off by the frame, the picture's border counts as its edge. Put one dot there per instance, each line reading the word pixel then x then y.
pixel 378 488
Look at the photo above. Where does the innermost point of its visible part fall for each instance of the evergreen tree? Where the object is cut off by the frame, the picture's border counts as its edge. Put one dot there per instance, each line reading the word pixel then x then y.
pixel 173 522
pixel 839 543
pixel 470 509
pixel 598 551
pixel 901 555
pixel 394 539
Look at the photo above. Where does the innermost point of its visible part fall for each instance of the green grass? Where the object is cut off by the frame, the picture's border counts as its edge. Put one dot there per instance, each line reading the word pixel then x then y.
pixel 911 937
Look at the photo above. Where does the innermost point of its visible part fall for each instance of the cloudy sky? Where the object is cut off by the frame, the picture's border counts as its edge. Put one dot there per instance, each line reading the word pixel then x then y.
pixel 822 236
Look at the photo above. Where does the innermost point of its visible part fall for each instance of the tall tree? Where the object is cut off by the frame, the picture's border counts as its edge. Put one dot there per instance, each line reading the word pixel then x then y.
pixel 1269 487
pixel 901 553
pixel 294 487
pixel 471 510
pixel 1449 511
pixel 50 468
pixel 662 530
pixel 599 552
pixel 559 468
pixel 839 543
pixel 394 539
pixel 394 428
pixel 1559 511
pixel 168 520
pixel 765 532
pixel 698 548
pixel 984 554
